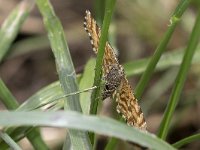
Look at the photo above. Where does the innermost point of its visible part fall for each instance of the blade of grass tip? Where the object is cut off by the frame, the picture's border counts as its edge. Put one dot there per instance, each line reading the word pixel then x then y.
pixel 180 79
pixel 78 121
pixel 65 69
pixel 187 140
pixel 12 24
pixel 182 6
pixel 11 103
pixel 12 144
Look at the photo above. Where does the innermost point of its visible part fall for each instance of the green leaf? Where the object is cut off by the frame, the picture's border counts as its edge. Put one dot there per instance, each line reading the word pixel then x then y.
pixel 12 144
pixel 187 140
pixel 182 6
pixel 65 69
pixel 180 79
pixel 85 83
pixel 169 59
pixel 12 24
pixel 75 120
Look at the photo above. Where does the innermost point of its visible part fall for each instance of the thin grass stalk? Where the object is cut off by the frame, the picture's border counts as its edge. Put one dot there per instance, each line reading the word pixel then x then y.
pixel 182 6
pixel 187 140
pixel 98 72
pixel 180 79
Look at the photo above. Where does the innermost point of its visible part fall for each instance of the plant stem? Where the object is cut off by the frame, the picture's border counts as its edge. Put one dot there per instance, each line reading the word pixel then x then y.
pixel 180 79
pixel 161 48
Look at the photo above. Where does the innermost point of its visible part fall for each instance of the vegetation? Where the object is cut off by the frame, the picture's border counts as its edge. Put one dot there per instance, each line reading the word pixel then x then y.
pixel 78 113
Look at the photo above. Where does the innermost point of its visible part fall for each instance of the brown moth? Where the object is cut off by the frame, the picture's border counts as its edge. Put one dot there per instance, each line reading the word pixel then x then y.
pixel 116 83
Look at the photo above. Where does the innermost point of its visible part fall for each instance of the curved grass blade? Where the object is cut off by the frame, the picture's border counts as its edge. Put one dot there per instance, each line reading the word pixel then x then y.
pixel 74 120
pixel 12 24
pixel 187 140
pixel 43 96
pixel 11 103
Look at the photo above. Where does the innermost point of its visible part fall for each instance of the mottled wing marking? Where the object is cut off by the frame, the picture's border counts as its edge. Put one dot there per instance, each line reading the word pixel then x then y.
pixel 112 80
pixel 116 83
pixel 94 33
pixel 128 106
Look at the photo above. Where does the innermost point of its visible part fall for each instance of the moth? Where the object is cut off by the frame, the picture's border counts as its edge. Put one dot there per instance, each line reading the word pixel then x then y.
pixel 116 83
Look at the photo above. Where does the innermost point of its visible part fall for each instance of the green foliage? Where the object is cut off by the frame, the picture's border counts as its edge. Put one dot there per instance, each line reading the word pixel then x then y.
pixel 80 112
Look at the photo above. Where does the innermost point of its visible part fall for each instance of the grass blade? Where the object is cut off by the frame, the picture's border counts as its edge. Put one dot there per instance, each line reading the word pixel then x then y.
pixel 104 34
pixel 180 79
pixel 65 69
pixel 11 103
pixel 12 24
pixel 12 144
pixel 6 97
pixel 87 82
pixel 187 140
pixel 75 120
pixel 167 60
pixel 161 47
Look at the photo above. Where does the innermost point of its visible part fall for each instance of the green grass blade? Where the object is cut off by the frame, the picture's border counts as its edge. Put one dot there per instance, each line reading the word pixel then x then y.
pixel 99 8
pixel 155 93
pixel 187 140
pixel 98 72
pixel 180 79
pixel 111 144
pixel 167 60
pixel 65 68
pixel 43 96
pixel 75 120
pixel 85 83
pixel 161 47
pixel 99 61
pixel 12 144
pixel 11 103
pixel 6 97
pixel 12 24
pixel 28 45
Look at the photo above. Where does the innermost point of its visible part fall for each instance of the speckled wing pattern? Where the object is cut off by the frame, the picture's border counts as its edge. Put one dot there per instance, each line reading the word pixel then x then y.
pixel 127 104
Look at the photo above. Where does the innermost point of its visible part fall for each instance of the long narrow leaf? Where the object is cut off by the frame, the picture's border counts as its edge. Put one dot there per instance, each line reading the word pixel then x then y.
pixel 187 140
pixel 9 141
pixel 102 42
pixel 12 24
pixel 74 120
pixel 180 79
pixel 161 47
pixel 65 69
